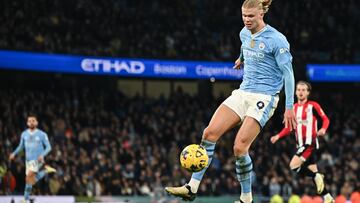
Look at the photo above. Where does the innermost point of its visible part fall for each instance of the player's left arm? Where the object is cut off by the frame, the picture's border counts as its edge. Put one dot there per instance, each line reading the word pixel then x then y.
pixel 284 61
pixel 46 142
pixel 324 118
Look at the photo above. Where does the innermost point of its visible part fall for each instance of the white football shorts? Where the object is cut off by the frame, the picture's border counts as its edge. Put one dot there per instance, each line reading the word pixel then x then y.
pixel 33 166
pixel 258 106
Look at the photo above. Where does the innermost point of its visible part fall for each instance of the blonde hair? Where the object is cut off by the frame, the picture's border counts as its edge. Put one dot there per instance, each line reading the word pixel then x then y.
pixel 261 4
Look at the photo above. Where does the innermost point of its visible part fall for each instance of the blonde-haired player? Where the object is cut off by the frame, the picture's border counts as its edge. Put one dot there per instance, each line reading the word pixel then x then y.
pixel 267 61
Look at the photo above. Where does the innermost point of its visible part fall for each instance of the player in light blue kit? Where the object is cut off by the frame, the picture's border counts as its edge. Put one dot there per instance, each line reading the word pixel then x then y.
pixel 266 56
pixel 36 145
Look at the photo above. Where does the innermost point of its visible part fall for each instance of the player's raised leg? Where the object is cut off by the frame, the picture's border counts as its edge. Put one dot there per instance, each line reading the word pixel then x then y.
pixel 299 164
pixel 41 174
pixel 246 135
pixel 223 119
pixel 320 184
pixel 33 175
pixel 312 171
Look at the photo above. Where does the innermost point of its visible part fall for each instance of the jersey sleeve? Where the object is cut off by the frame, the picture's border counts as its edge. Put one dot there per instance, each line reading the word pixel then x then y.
pixel 242 35
pixel 282 51
pixel 284 132
pixel 20 146
pixel 242 40
pixel 45 141
pixel 324 118
pixel 284 61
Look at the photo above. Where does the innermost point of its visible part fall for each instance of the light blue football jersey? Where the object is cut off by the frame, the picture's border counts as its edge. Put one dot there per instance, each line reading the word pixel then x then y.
pixel 267 61
pixel 35 143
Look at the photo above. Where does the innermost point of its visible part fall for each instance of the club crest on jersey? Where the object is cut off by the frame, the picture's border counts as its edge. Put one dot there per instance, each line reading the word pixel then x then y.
pixel 260 104
pixel 261 46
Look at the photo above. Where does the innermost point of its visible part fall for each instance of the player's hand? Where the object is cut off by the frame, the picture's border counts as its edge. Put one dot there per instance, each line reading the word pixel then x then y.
pixel 41 159
pixel 12 157
pixel 289 119
pixel 237 64
pixel 274 139
pixel 321 132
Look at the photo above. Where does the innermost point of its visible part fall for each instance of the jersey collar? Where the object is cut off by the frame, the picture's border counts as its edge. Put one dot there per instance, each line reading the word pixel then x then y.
pixel 33 132
pixel 259 32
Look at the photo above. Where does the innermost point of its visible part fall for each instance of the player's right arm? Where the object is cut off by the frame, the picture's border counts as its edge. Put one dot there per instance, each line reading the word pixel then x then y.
pixel 240 60
pixel 18 148
pixel 283 133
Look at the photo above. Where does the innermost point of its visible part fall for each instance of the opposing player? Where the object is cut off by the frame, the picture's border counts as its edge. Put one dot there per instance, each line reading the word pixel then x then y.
pixel 267 61
pixel 33 141
pixel 306 133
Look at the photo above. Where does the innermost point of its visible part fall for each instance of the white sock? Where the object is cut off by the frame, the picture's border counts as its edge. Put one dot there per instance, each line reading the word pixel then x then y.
pixel 194 184
pixel 246 197
pixel 328 196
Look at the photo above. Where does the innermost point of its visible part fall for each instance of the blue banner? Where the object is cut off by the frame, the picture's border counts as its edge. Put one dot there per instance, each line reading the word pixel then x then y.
pixel 333 73
pixel 127 67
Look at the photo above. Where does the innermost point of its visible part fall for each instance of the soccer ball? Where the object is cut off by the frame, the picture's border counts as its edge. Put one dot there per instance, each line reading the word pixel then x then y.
pixel 194 158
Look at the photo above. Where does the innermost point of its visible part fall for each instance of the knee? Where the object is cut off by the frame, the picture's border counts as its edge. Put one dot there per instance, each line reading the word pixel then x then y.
pixel 241 146
pixel 30 179
pixel 27 179
pixel 295 163
pixel 240 150
pixel 210 134
pixel 294 166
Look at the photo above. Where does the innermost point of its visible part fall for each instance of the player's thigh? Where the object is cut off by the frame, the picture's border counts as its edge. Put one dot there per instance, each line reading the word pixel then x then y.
pixel 307 154
pixel 261 107
pixel 32 167
pixel 247 133
pixel 223 119
pixel 237 103
pixel 30 177
pixel 296 162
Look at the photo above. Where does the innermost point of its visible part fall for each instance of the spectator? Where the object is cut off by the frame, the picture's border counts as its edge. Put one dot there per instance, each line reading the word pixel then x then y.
pixel 355 197
pixel 276 199
pixel 340 199
pixel 294 199
pixel 201 30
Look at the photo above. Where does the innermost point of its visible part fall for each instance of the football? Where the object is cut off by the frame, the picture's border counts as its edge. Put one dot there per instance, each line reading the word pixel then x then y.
pixel 194 158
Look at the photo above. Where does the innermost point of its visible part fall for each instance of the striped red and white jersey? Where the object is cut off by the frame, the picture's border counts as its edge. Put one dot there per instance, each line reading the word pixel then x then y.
pixel 306 129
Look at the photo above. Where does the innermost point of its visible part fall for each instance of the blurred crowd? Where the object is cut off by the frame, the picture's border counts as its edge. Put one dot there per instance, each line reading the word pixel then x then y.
pixel 105 143
pixel 178 29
